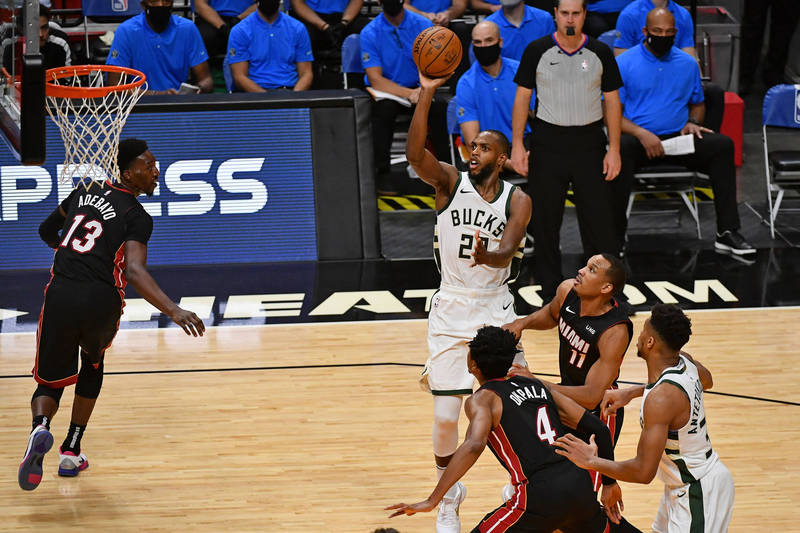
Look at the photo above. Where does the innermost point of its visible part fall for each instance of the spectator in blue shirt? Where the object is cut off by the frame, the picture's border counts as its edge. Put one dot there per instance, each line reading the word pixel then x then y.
pixel 386 44
pixel 215 18
pixel 632 19
pixel 485 93
pixel 663 98
pixel 163 46
pixel 519 25
pixel 270 50
pixel 601 16
pixel 328 22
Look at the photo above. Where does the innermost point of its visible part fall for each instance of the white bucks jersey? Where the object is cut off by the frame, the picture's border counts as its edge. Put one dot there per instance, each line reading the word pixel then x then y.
pixel 454 236
pixel 688 455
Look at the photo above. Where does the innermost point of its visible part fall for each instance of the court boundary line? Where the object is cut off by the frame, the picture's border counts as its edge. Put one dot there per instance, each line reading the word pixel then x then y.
pixel 356 365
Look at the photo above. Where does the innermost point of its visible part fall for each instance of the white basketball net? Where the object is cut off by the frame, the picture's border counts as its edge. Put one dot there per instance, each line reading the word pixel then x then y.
pixel 90 126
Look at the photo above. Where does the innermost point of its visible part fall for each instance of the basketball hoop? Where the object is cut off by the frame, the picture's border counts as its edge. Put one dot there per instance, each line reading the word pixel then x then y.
pixel 90 116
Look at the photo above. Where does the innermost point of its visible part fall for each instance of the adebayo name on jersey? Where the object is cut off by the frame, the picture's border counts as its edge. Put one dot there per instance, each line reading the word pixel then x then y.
pixel 186 186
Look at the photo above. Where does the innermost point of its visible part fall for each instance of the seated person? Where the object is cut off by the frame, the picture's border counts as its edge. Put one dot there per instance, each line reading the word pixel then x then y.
pixel 386 44
pixel 53 45
pixel 630 27
pixel 270 50
pixel 662 98
pixel 215 18
pixel 519 25
pixel 601 16
pixel 165 47
pixel 484 7
pixel 485 93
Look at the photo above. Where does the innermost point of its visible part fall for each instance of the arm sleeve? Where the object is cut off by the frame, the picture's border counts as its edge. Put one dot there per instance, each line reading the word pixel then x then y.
pixel 591 425
pixel 238 45
pixel 302 47
pixel 138 225
pixel 611 79
pixel 197 50
pixel 120 53
pixel 467 110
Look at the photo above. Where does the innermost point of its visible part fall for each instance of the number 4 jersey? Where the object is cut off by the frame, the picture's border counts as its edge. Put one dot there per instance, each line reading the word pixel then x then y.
pixel 99 221
pixel 454 236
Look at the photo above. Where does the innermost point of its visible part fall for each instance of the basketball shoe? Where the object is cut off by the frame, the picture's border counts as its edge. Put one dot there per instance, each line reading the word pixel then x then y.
pixel 30 469
pixel 70 465
pixel 447 521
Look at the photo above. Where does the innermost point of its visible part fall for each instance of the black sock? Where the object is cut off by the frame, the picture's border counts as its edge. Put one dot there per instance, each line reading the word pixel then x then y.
pixel 73 441
pixel 41 420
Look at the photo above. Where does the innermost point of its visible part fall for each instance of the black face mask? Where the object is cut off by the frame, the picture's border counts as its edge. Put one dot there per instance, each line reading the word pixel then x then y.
pixel 158 17
pixel 659 44
pixel 392 8
pixel 269 7
pixel 486 55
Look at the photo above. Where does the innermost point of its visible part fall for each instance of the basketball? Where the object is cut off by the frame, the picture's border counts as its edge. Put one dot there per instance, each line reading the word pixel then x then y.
pixel 437 52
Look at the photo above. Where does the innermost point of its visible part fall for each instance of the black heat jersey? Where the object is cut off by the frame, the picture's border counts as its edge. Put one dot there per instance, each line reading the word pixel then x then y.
pixel 99 221
pixel 578 337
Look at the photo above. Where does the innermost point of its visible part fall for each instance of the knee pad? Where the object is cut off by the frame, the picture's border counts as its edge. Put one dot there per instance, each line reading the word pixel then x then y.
pixel 50 392
pixel 90 379
pixel 446 410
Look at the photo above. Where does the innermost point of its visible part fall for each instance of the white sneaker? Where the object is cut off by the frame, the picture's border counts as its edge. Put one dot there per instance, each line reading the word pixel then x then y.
pixel 447 520
pixel 70 465
pixel 508 492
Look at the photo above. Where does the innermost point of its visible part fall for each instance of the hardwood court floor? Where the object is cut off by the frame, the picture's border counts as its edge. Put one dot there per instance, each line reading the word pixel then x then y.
pixel 308 449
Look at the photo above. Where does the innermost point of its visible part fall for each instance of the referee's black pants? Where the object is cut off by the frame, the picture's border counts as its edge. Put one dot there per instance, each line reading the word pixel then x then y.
pixel 713 156
pixel 561 156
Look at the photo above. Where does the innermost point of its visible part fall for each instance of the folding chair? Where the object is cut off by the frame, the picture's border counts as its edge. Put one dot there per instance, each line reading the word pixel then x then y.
pixel 453 133
pixel 781 109
pixel 227 75
pixel 608 38
pixel 352 69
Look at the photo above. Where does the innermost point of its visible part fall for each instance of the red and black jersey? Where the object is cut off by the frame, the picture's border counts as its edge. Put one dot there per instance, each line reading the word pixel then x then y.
pixel 100 219
pixel 529 425
pixel 578 336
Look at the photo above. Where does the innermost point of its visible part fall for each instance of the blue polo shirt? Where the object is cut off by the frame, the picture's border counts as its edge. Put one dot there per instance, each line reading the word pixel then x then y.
pixel 535 24
pixel 657 92
pixel 431 6
pixel 489 100
pixel 165 58
pixel 230 8
pixel 607 6
pixel 633 19
pixel 272 50
pixel 327 6
pixel 389 47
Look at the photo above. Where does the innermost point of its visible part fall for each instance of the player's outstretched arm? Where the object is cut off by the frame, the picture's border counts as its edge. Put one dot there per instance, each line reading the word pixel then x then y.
pixel 138 276
pixel 432 171
pixel 481 409
pixel 547 316
pixel 613 399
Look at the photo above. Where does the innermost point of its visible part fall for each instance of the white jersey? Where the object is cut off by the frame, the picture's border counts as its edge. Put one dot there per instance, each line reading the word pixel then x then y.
pixel 688 455
pixel 454 236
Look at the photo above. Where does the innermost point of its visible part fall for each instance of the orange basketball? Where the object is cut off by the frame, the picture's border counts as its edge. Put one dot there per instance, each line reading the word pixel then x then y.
pixel 436 51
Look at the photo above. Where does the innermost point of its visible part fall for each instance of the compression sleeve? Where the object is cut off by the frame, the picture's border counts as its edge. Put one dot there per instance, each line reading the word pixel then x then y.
pixel 591 425
pixel 48 230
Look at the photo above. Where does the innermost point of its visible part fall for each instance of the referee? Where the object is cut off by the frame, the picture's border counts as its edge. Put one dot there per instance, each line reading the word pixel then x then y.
pixel 569 72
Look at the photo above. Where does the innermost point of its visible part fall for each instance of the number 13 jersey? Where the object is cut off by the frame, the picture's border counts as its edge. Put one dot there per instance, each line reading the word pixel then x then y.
pixel 454 236
pixel 100 219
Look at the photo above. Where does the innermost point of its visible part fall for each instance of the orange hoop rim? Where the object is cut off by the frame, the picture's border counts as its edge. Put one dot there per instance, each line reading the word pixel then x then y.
pixel 68 91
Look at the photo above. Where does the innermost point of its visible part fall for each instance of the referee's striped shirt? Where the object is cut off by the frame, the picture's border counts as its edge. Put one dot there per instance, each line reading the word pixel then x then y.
pixel 568 85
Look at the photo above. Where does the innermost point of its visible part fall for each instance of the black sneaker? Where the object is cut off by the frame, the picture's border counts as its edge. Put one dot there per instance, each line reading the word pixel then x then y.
pixel 732 241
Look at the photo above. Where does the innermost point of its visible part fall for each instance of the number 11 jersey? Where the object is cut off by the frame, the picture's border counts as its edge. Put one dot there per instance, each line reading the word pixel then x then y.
pixel 454 236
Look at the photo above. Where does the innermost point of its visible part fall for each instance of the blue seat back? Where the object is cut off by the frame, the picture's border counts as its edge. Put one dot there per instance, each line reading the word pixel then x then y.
pixel 782 107
pixel 351 55
pixel 452 117
pixel 608 38
pixel 111 8
pixel 227 74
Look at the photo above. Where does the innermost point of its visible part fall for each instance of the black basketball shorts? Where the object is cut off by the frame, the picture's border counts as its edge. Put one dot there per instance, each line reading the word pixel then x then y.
pixel 76 317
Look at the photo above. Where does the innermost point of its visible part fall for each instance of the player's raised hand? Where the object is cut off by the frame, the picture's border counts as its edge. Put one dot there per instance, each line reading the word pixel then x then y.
pixel 515 327
pixel 189 321
pixel 479 250
pixel 576 450
pixel 612 400
pixel 611 498
pixel 432 83
pixel 402 508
